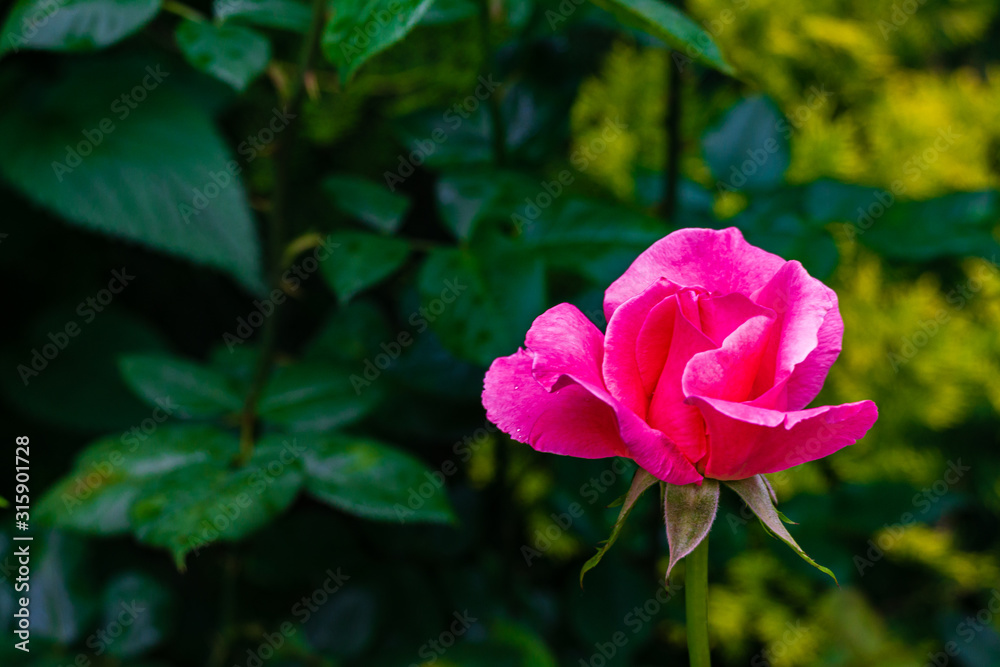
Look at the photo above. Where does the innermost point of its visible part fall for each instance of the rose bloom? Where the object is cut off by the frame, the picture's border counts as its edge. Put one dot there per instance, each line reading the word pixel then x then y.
pixel 713 350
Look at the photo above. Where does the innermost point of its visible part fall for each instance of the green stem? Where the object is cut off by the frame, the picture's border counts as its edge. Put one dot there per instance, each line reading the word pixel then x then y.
pixel 489 61
pixel 278 226
pixel 182 10
pixel 696 604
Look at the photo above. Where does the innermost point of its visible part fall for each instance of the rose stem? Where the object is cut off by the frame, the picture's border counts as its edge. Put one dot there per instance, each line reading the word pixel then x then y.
pixel 696 604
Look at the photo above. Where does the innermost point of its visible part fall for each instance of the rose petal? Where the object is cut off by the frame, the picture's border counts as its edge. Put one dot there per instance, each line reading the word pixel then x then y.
pixel 630 370
pixel 667 410
pixel 569 421
pixel 568 349
pixel 719 261
pixel 744 440
pixel 728 372
pixel 804 307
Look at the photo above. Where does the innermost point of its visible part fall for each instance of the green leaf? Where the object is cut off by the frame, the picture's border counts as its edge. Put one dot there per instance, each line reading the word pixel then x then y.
pixel 110 474
pixel 156 174
pixel 283 14
pixel 642 481
pixel 363 260
pixel 371 203
pixel 194 506
pixel 376 481
pixel 591 238
pixel 361 29
pixel 61 588
pixel 465 198
pixel 756 493
pixel 749 150
pixel 195 390
pixel 668 23
pixel 481 300
pixel 689 511
pixel 313 398
pixel 230 53
pixel 443 12
pixel 73 25
pixel 141 606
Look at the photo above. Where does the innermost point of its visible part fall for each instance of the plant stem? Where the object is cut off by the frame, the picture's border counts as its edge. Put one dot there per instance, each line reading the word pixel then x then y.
pixel 277 226
pixel 696 605
pixel 672 169
pixel 489 60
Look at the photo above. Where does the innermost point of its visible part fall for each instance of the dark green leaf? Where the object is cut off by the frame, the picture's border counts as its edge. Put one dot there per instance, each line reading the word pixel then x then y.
pixel 284 14
pixel 139 604
pixel 159 176
pixel 191 507
pixel 363 260
pixel 375 481
pixel 371 203
pixel 62 599
pixel 361 29
pixel 595 239
pixel 196 391
pixel 314 398
pixel 749 149
pixel 73 25
pixel 96 496
pixel 672 26
pixel 443 12
pixel 230 53
pixel 480 301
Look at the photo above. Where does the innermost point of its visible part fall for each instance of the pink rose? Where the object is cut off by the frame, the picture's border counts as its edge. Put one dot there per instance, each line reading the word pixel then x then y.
pixel 713 349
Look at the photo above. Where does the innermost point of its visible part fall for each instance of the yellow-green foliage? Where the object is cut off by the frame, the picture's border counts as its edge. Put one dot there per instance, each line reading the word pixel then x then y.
pixel 882 121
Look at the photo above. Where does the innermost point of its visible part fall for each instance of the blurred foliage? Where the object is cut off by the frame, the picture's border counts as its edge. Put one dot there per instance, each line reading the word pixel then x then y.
pixel 194 224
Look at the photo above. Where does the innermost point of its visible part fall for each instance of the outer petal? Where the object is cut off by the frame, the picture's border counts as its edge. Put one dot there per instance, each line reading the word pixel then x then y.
pixel 570 421
pixel 745 441
pixel 720 261
pixel 806 308
pixel 567 350
pixel 808 376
